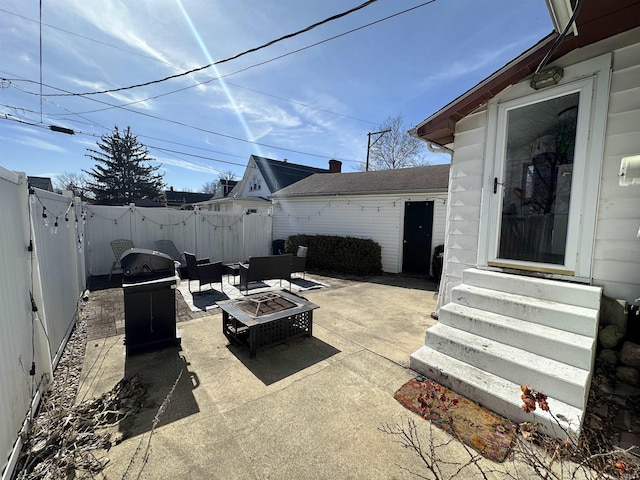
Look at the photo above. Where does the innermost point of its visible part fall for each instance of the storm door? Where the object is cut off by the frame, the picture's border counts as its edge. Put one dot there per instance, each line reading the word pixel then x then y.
pixel 539 179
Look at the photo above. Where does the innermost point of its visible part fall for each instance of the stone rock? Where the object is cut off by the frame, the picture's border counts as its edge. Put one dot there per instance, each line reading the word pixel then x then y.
pixel 609 336
pixel 608 356
pixel 624 390
pixel 630 354
pixel 629 440
pixel 622 420
pixel 614 312
pixel 601 410
pixel 628 375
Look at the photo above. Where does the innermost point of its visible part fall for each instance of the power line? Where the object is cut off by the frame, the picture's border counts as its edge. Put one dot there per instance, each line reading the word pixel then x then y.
pixel 176 66
pixel 67 93
pixel 287 165
pixel 182 124
pixel 25 110
pixel 233 57
pixel 93 124
pixel 211 79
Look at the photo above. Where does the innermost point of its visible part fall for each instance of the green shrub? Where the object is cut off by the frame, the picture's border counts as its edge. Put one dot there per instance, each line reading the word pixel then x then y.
pixel 333 254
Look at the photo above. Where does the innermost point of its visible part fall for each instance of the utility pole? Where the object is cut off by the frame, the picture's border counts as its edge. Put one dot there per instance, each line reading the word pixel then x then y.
pixel 369 144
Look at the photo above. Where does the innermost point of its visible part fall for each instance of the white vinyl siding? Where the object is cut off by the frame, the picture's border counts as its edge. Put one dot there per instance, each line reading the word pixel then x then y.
pixel 616 262
pixel 465 196
pixel 378 217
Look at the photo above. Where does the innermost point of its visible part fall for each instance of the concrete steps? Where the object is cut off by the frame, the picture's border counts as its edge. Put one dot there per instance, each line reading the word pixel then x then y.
pixel 563 346
pixel 493 391
pixel 501 331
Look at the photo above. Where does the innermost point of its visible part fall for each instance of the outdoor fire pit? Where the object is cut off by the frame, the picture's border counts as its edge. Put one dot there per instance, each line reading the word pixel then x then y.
pixel 265 319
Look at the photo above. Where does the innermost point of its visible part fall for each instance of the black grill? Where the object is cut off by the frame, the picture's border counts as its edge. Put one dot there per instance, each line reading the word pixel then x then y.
pixel 149 281
pixel 140 264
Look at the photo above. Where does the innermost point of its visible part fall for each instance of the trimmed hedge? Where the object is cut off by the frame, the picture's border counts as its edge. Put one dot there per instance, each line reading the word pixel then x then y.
pixel 333 254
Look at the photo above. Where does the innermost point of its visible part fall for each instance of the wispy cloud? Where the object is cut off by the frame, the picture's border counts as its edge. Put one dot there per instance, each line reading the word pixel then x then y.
pixel 119 96
pixel 115 18
pixel 129 23
pixel 188 165
pixel 36 143
pixel 480 61
pixel 85 142
pixel 261 113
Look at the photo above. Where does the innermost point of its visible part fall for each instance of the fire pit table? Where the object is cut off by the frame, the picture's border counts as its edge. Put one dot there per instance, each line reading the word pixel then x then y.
pixel 265 319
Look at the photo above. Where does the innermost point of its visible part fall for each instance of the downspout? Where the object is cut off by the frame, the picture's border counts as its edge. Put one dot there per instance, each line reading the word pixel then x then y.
pixel 433 147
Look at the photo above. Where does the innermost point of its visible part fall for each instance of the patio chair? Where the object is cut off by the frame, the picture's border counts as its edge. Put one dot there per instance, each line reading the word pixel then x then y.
pixel 299 262
pixel 119 246
pixel 168 247
pixel 209 272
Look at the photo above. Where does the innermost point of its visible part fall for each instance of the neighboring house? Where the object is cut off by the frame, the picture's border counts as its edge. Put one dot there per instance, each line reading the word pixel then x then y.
pixel 184 200
pixel 43 183
pixel 538 222
pixel 403 210
pixel 225 187
pixel 262 177
pixel 147 203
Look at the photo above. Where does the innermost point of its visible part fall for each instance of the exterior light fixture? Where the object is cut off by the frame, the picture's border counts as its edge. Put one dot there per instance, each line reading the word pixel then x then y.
pixel 546 78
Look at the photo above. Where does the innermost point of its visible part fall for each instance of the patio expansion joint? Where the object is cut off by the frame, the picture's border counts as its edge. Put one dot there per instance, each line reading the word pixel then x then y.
pixel 363 347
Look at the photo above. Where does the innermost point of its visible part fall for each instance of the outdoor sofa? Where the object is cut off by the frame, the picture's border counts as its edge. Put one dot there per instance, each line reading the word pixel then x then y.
pixel 268 267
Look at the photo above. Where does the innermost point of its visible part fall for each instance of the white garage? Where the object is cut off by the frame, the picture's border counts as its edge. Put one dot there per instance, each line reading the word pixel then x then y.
pixel 403 210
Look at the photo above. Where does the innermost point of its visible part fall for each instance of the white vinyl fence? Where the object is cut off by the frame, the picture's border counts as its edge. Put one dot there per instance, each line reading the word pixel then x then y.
pixel 42 276
pixel 49 245
pixel 228 237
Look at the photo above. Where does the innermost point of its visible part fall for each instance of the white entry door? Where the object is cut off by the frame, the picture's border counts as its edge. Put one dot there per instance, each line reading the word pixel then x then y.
pixel 542 184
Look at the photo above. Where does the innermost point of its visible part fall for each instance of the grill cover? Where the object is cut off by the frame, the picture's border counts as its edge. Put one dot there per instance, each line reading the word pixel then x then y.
pixel 141 265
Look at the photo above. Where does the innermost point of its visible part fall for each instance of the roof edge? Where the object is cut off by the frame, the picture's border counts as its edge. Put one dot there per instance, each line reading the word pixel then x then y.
pixel 347 194
pixel 446 112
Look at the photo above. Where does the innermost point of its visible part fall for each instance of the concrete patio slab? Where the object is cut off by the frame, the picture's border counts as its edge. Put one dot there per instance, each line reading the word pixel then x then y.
pixel 310 408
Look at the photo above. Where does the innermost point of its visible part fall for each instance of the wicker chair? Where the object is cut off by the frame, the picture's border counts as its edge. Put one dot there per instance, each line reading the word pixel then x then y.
pixel 204 271
pixel 119 246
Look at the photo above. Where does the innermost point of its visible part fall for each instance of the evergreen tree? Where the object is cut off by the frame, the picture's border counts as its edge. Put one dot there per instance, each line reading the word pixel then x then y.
pixel 121 175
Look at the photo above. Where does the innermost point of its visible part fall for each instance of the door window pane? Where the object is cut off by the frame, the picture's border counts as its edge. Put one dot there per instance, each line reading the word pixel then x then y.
pixel 540 145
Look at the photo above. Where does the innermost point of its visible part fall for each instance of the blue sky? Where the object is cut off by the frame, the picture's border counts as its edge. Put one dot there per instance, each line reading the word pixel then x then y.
pixel 307 107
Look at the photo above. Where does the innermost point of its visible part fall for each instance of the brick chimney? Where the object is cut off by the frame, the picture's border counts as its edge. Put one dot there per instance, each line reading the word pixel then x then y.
pixel 335 166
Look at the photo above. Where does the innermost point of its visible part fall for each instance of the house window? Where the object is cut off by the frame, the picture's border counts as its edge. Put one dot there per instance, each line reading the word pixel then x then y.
pixel 216 208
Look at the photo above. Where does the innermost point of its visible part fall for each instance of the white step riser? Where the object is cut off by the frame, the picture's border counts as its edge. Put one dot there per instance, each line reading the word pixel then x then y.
pixel 505 367
pixel 511 409
pixel 580 356
pixel 556 291
pixel 544 313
